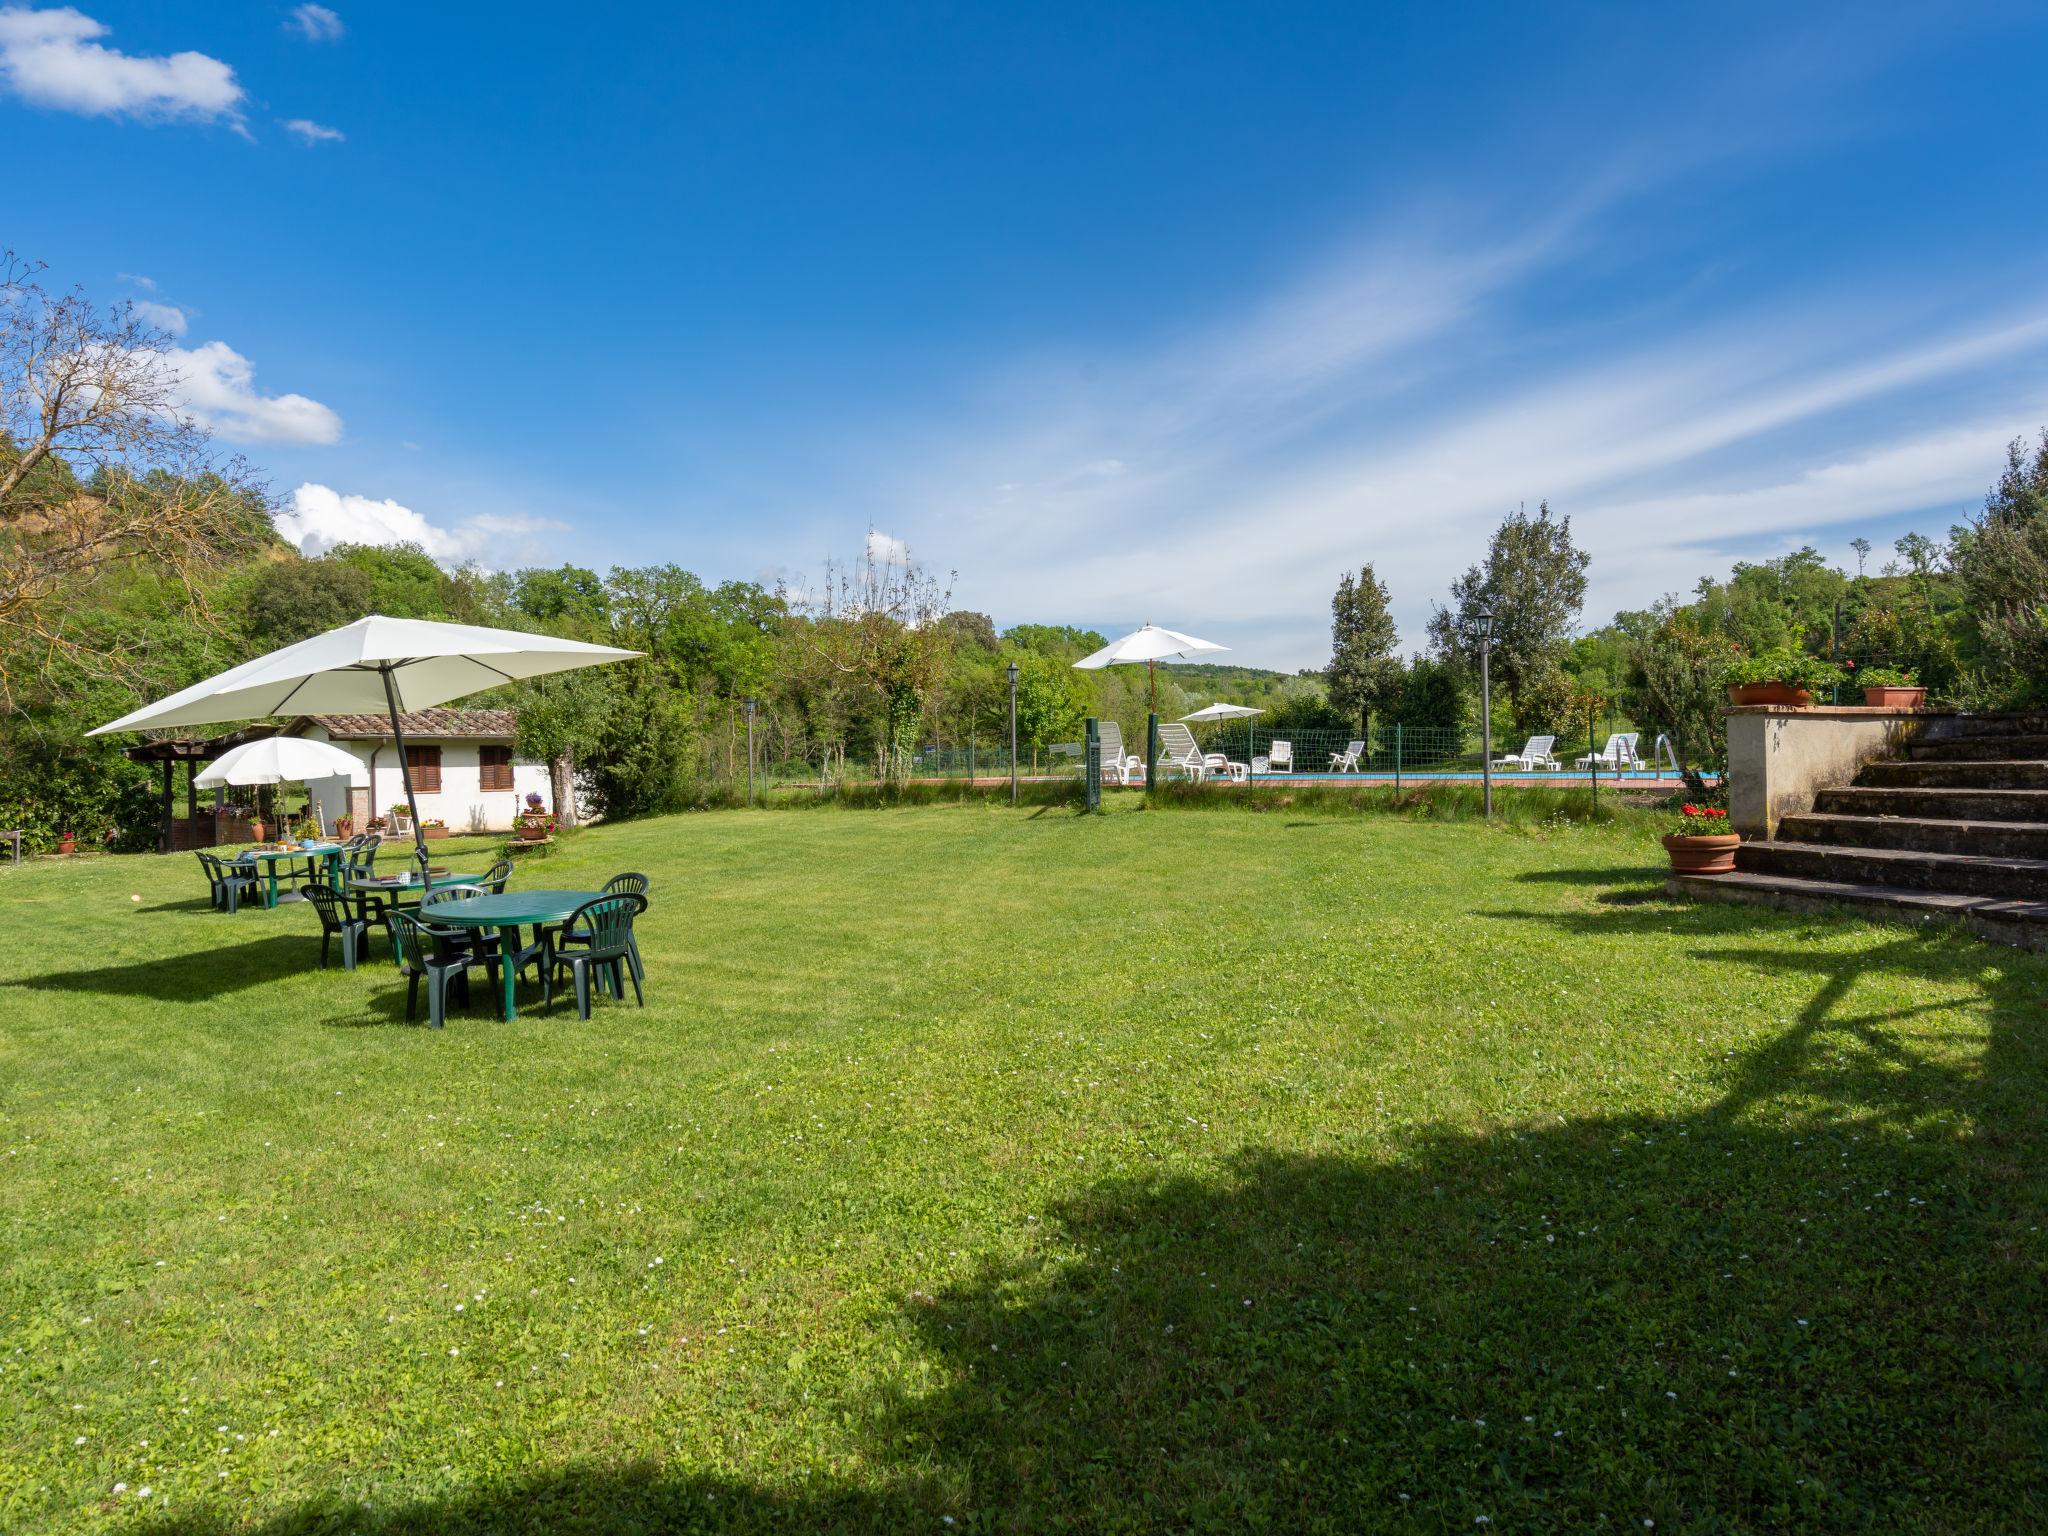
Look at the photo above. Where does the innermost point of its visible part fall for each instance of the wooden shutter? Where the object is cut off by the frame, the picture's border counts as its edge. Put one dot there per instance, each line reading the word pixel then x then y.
pixel 494 768
pixel 425 763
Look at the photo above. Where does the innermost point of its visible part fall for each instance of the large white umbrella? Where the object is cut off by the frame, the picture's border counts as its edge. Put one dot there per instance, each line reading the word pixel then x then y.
pixel 277 760
pixel 376 663
pixel 1211 712
pixel 1147 644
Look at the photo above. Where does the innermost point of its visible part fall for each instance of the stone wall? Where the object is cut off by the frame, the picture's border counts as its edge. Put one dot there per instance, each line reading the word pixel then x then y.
pixel 1779 758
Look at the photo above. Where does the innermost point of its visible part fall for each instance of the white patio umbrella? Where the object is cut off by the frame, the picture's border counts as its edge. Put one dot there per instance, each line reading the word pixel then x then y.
pixel 1214 712
pixel 276 760
pixel 1147 644
pixel 376 663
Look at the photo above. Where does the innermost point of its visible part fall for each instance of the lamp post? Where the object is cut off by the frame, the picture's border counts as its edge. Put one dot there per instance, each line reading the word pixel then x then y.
pixel 1013 733
pixel 1486 712
pixel 750 749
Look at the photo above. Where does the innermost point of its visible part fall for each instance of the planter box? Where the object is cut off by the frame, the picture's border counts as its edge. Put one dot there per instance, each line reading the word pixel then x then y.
pixel 435 834
pixel 1888 697
pixel 1769 693
pixel 1710 854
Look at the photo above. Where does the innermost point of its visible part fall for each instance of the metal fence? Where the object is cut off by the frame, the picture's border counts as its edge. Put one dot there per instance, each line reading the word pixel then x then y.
pixel 1388 751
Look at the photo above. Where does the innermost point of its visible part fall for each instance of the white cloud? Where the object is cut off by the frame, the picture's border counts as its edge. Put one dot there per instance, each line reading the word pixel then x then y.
pixel 50 58
pixel 884 550
pixel 220 392
pixel 319 517
pixel 309 132
pixel 315 23
pixel 146 284
pixel 167 318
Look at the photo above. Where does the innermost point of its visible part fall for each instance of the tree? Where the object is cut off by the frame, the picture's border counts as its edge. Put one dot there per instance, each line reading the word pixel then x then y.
pixel 405 581
pixel 1533 581
pixel 290 600
pixel 1678 692
pixel 876 624
pixel 560 718
pixel 2001 558
pixel 569 600
pixel 1862 548
pixel 99 465
pixel 1364 673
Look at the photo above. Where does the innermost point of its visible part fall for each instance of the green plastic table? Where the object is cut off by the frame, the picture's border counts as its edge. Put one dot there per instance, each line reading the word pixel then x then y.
pixel 329 854
pixel 508 913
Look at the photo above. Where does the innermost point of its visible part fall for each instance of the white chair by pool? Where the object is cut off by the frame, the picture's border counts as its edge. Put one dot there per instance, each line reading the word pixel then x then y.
pixel 1347 760
pixel 1619 753
pixel 1177 749
pixel 1115 764
pixel 1535 754
pixel 1280 757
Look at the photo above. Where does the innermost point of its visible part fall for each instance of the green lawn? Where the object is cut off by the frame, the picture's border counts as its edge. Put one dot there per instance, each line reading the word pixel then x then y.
pixel 985 1170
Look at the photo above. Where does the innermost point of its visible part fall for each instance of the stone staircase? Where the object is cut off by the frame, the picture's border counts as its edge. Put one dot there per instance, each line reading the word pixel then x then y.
pixel 1955 831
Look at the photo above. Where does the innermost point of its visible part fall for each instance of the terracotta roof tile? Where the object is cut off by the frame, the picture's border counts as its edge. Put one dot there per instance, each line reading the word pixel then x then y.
pixel 427 724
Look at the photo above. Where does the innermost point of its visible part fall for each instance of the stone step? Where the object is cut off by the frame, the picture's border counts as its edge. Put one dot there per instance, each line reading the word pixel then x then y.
pixel 2020 923
pixel 1947 804
pixel 1978 748
pixel 2000 773
pixel 1904 868
pixel 1928 834
pixel 2019 723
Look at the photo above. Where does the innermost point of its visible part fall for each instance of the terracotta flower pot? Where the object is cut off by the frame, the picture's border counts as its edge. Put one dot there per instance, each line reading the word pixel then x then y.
pixel 67 844
pixel 533 831
pixel 1769 693
pixel 1887 696
pixel 1712 854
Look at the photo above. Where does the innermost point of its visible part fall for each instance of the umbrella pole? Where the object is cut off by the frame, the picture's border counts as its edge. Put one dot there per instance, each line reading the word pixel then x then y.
pixel 419 833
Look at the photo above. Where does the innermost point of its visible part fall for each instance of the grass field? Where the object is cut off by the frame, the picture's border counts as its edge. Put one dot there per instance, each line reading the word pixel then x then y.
pixel 973 1169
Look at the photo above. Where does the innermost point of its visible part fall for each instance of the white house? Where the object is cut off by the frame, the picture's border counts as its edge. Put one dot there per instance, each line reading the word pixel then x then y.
pixel 464 771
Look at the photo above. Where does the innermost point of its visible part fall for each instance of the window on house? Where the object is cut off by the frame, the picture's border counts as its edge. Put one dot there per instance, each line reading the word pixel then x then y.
pixel 425 765
pixel 494 766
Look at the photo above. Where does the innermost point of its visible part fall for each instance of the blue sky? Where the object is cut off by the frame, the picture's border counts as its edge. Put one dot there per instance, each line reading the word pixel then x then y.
pixel 1120 312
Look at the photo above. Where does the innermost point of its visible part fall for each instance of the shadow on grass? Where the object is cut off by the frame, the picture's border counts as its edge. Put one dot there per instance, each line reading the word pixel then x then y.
pixel 1816 1302
pixel 186 978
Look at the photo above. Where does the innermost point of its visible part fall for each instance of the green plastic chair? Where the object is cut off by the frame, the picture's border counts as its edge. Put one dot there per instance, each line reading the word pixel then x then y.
pixel 338 917
pixel 233 879
pixel 439 956
pixel 626 884
pixel 600 938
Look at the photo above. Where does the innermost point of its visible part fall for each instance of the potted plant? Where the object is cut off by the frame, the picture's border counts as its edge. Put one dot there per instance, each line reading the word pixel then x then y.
pixel 344 826
pixel 1702 845
pixel 434 827
pixel 535 822
pixel 1780 676
pixel 398 819
pixel 67 842
pixel 1891 688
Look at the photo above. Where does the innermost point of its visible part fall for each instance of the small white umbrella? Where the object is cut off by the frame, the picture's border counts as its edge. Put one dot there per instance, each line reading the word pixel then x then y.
pixel 1147 644
pixel 1225 712
pixel 277 760
pixel 376 663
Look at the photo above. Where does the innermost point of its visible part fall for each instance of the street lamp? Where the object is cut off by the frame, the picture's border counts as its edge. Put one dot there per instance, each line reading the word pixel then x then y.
pixel 1486 712
pixel 750 749
pixel 1013 733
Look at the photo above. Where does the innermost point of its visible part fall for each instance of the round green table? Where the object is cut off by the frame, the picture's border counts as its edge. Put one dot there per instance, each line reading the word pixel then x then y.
pixel 508 914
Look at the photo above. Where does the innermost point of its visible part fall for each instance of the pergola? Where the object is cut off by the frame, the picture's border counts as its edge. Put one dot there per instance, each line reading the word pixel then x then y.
pixel 191 751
